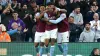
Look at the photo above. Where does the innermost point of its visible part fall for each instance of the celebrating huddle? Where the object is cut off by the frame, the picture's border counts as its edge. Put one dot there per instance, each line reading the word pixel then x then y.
pixel 51 24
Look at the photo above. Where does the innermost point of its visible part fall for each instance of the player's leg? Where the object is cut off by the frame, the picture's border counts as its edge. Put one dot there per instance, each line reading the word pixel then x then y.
pixel 36 48
pixel 46 41
pixel 65 49
pixel 53 39
pixel 47 45
pixel 65 37
pixel 41 48
pixel 52 46
pixel 36 42
pixel 59 41
pixel 41 45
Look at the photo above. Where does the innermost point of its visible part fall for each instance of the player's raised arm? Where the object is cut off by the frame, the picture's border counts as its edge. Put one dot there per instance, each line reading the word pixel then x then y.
pixel 62 10
pixel 62 17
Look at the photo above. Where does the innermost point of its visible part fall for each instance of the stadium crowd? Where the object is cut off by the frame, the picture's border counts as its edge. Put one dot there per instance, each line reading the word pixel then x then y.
pixel 18 17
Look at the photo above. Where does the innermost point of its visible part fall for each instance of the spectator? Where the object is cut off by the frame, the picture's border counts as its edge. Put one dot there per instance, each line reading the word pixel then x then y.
pixel 96 6
pixel 95 25
pixel 73 4
pixel 14 24
pixel 78 18
pixel 74 30
pixel 93 2
pixel 6 15
pixel 15 5
pixel 33 7
pixel 27 18
pixel 5 2
pixel 87 35
pixel 32 10
pixel 17 20
pixel 62 4
pixel 95 52
pixel 83 4
pixel 90 13
pixel 11 32
pixel 4 36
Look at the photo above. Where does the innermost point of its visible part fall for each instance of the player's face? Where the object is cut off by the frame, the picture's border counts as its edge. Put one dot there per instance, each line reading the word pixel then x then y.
pixel 42 8
pixel 87 26
pixel 97 52
pixel 50 8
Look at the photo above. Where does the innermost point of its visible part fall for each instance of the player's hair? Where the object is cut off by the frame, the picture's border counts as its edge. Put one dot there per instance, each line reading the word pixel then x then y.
pixel 41 6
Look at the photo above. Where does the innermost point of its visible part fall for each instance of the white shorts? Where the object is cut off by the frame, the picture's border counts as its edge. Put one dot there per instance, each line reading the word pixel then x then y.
pixel 51 34
pixel 63 37
pixel 39 37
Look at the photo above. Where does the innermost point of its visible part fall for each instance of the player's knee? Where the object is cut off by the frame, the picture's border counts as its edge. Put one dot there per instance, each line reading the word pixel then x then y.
pixel 41 44
pixel 46 44
pixel 36 44
pixel 53 41
pixel 46 41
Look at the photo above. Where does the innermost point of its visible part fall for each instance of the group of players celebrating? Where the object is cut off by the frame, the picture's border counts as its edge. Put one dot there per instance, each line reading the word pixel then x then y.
pixel 51 25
